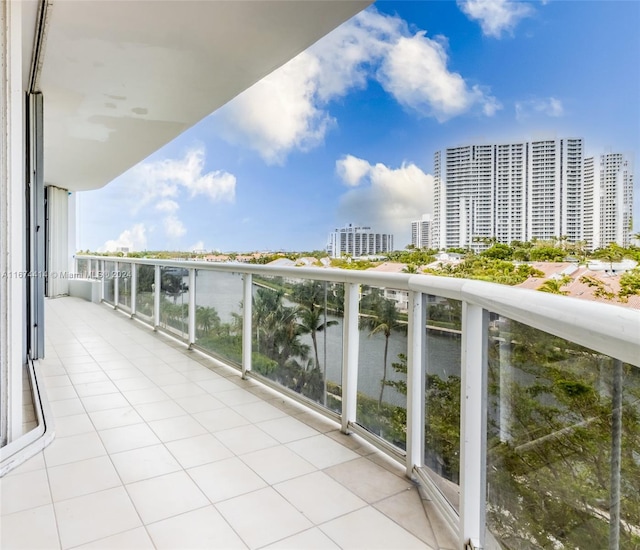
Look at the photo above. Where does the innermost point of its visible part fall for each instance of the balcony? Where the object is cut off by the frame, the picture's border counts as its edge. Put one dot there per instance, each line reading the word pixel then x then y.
pixel 159 446
pixel 296 407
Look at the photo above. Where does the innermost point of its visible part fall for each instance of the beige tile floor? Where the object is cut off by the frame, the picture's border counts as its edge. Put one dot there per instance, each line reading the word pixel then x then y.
pixel 159 447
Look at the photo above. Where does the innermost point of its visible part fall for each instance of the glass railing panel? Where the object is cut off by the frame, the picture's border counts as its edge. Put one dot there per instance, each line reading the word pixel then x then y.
pixel 382 364
pixel 145 285
pixel 82 267
pixel 219 314
pixel 551 474
pixel 124 285
pixel 297 336
pixel 442 396
pixel 109 282
pixel 174 300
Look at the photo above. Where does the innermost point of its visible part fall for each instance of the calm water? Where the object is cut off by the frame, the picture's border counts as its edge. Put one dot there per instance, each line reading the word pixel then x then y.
pixel 223 291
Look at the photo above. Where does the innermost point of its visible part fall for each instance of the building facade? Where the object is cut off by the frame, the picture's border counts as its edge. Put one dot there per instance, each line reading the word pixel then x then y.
pixel 510 191
pixel 608 200
pixel 421 231
pixel 358 241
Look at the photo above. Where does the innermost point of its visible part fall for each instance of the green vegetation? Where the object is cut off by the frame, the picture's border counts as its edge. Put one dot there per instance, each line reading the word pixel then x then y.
pixel 485 268
pixel 549 465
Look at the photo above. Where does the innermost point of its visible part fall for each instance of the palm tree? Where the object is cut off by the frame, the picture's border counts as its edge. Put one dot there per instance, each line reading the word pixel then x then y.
pixel 612 253
pixel 311 321
pixel 206 319
pixel 554 286
pixel 277 329
pixel 385 321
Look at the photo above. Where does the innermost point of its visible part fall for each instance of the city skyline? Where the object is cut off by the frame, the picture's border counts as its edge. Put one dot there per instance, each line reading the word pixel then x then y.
pixel 346 132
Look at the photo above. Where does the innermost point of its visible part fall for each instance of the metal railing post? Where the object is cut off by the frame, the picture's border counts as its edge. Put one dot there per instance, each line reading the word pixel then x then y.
pixel 473 423
pixel 156 297
pixel 192 307
pixel 415 380
pixel 102 282
pixel 350 350
pixel 134 287
pixel 247 320
pixel 116 283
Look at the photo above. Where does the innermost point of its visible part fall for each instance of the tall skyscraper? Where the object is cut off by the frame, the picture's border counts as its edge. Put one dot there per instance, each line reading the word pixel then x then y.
pixel 358 241
pixel 421 232
pixel 608 200
pixel 512 191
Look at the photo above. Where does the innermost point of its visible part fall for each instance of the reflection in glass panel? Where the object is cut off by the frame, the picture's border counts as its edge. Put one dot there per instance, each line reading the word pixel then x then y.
pixel 219 314
pixel 124 285
pixel 174 300
pixel 82 267
pixel 145 284
pixel 297 336
pixel 552 478
pixel 109 286
pixel 382 364
pixel 442 395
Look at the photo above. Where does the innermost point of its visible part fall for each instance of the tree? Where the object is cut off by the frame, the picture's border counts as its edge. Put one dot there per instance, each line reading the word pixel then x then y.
pixel 629 284
pixel 311 321
pixel 554 286
pixel 206 319
pixel 612 253
pixel 499 251
pixel 384 320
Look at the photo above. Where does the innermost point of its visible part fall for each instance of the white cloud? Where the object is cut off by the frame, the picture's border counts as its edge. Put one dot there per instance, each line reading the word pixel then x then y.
pixel 133 239
pixel 197 246
pixel 415 72
pixel 390 199
pixel 352 169
pixel 278 113
pixel 495 16
pixel 167 206
pixel 162 181
pixel 551 107
pixel 287 110
pixel 173 227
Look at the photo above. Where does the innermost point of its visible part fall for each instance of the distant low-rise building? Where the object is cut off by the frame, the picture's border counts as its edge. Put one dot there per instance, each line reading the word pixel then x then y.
pixel 358 241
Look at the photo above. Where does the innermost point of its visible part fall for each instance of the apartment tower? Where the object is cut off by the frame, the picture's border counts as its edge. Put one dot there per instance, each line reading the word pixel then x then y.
pixel 510 191
pixel 608 200
pixel 421 232
pixel 358 241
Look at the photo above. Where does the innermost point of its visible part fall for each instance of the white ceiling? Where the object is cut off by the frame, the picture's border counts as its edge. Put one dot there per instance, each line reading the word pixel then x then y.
pixel 122 78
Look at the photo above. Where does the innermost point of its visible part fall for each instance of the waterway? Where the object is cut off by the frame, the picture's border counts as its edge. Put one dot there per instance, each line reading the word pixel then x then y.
pixel 223 291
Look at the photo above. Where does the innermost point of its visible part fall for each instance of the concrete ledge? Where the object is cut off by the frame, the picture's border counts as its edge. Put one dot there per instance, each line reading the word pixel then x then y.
pixel 87 289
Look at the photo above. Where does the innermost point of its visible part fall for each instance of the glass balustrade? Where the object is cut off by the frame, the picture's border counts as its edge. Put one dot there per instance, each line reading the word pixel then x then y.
pixel 297 336
pixel 563 434
pixel 109 282
pixel 145 288
pixel 442 396
pixel 382 364
pixel 219 314
pixel 124 285
pixel 174 300
pixel 562 464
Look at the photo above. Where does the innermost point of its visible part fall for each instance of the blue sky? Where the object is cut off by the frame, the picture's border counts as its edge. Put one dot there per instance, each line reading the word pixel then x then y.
pixel 346 131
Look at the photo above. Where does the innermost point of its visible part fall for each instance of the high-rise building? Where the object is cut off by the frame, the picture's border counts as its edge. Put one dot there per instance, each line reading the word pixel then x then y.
pixel 421 232
pixel 358 241
pixel 512 191
pixel 608 200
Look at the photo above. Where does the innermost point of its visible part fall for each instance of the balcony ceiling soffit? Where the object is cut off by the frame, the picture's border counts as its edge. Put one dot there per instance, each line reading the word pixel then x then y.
pixel 121 79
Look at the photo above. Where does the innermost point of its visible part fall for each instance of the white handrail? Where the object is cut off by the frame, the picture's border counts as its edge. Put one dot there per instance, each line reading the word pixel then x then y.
pixel 606 328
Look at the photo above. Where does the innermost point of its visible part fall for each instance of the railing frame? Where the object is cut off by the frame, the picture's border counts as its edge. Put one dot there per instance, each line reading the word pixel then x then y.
pixel 604 328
